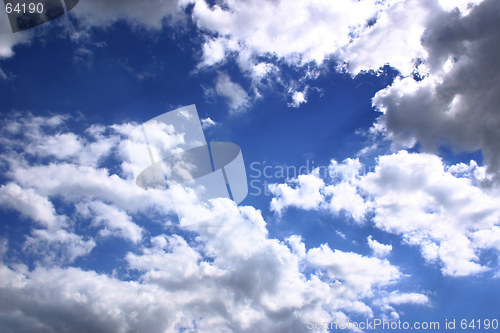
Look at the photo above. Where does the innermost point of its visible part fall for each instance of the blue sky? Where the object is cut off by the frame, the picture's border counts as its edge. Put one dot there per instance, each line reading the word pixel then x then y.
pixel 393 98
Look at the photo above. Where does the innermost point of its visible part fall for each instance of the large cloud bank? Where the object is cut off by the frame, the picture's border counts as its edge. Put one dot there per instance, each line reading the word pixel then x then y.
pixel 216 270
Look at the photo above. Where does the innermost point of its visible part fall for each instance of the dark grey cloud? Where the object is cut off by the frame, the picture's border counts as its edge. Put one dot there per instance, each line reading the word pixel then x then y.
pixel 458 103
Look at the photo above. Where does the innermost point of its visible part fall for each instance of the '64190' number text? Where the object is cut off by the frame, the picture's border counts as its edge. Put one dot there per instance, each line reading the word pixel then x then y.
pixel 24 8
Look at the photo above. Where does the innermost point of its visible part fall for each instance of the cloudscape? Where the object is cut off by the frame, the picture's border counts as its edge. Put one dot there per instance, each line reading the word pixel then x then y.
pixel 249 166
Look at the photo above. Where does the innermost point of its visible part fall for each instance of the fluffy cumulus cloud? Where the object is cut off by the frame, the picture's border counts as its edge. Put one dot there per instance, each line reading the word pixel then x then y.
pixel 298 32
pixel 44 162
pixel 365 35
pixel 441 209
pixel 358 35
pixel 73 300
pixel 215 270
pixel 257 33
pixel 379 249
pixel 115 221
pixel 207 123
pixel 309 191
pixel 298 98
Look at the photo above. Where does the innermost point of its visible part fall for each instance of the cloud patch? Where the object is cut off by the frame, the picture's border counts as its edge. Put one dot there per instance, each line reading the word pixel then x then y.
pixel 440 209
pixel 236 97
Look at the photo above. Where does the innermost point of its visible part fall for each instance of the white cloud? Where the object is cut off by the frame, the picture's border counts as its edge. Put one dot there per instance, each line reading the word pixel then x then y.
pixel 311 192
pixel 343 197
pixel 57 246
pixel 261 35
pixel 72 182
pixel 263 69
pixel 61 146
pixel 305 194
pixel 415 197
pixel 412 195
pixel 51 241
pixel 207 123
pixel 408 298
pixel 36 161
pixel 487 238
pixel 394 39
pixel 298 98
pixel 236 97
pixel 359 274
pixel 365 35
pixel 115 221
pixel 379 250
pixel 79 177
pixel 214 51
pixel 36 141
pixel 294 31
pixel 30 204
